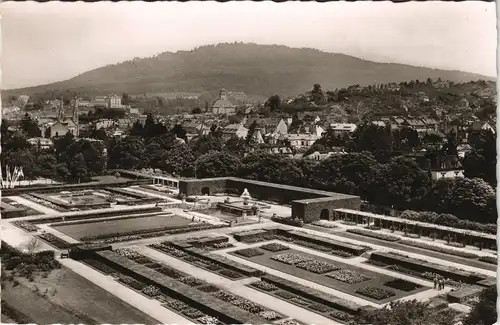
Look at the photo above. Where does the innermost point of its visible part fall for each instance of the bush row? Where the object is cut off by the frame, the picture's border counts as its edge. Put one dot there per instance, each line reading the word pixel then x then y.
pixel 369 233
pixel 449 220
pixel 439 249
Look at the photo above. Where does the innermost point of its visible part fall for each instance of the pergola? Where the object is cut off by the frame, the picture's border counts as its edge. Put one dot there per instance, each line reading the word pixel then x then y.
pixel 168 181
pixel 424 228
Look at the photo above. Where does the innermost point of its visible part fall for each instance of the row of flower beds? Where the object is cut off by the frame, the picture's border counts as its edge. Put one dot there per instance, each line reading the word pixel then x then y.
pixel 25 225
pixel 204 264
pixel 327 311
pixel 44 203
pixel 188 311
pixel 54 240
pixel 439 249
pixel 99 266
pixel 298 293
pixel 375 293
pixel 424 275
pixel 421 269
pixel 248 305
pixel 373 234
pixel 151 233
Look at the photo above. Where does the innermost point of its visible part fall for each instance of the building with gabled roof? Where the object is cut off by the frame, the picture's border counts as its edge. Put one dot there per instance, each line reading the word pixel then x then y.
pixel 223 105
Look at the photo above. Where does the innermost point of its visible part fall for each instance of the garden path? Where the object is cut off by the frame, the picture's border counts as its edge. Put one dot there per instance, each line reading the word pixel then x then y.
pixel 240 289
pixel 137 189
pixel 19 238
pixel 151 307
pixel 34 206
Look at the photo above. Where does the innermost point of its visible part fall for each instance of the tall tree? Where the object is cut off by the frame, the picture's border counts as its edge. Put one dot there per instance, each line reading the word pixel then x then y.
pixel 217 164
pixel 484 312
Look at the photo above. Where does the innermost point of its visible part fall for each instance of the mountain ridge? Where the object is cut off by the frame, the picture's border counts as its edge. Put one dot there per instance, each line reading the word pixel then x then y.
pixel 249 67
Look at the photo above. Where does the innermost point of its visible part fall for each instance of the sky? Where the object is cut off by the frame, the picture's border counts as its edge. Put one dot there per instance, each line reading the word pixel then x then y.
pixel 48 42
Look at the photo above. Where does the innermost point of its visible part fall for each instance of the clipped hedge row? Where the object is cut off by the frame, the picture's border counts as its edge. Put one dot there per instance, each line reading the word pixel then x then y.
pixel 289 221
pixel 372 234
pixel 438 249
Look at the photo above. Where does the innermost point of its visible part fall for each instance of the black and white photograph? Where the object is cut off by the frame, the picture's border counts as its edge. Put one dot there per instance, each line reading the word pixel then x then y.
pixel 245 162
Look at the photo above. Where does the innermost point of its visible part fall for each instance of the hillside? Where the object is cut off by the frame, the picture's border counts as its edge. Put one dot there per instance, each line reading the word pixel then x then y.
pixel 254 69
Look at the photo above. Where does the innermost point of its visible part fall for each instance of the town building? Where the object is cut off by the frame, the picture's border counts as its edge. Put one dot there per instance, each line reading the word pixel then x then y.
pixel 342 128
pixel 44 143
pixel 114 101
pixel 234 130
pixel 223 105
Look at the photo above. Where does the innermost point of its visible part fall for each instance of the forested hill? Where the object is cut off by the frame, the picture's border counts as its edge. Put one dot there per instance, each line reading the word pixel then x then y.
pixel 254 69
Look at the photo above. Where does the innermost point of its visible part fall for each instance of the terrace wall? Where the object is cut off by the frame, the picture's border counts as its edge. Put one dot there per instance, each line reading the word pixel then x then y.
pixel 9 211
pixel 307 204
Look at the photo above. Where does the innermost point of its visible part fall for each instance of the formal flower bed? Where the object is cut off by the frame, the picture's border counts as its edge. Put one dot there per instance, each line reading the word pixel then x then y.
pixel 404 270
pixel 376 263
pixel 54 240
pixel 286 294
pixel 403 285
pixel 133 255
pixel 266 286
pixel 169 250
pixel 319 307
pixel 270 315
pixel 230 274
pixel 170 272
pixel 131 282
pixel 176 304
pixel 209 288
pixel 431 276
pixel 222 245
pixel 489 259
pixel 191 281
pixel 289 258
pixel 151 291
pixel 153 266
pixel 242 303
pixel 249 252
pixel 375 293
pixel 439 249
pixel 192 313
pixel 318 267
pixel 208 320
pixel 29 227
pixel 44 203
pixel 373 234
pixel 300 301
pixel 348 276
pixel 324 224
pixel 99 266
pixel 274 247
pixel 287 322
pixel 342 316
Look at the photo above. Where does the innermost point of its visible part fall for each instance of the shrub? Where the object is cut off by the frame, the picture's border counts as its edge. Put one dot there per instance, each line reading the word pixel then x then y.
pixel 340 315
pixel 324 224
pixel 274 247
pixel 375 293
pixel 341 253
pixel 301 301
pixel 289 221
pixel 318 267
pixel 208 320
pixel 402 285
pixel 131 282
pixel 172 273
pixel 176 304
pixel 266 286
pixel 348 276
pixel 249 252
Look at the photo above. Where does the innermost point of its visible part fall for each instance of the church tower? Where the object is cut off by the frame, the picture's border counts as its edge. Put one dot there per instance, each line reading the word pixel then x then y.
pixel 76 114
pixel 223 94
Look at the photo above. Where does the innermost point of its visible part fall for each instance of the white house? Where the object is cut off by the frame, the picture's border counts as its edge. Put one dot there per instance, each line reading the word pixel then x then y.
pixel 342 128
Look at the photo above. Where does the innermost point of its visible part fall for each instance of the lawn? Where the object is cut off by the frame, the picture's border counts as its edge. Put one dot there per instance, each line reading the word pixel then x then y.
pixel 67 298
pixel 122 226
pixel 353 277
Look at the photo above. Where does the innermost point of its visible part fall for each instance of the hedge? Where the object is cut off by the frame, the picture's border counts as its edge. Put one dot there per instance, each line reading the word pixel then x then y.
pixel 439 249
pixel 449 220
pixel 369 233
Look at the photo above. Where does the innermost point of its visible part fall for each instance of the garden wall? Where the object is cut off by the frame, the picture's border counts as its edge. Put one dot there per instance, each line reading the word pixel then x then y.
pixel 307 204
pixel 8 211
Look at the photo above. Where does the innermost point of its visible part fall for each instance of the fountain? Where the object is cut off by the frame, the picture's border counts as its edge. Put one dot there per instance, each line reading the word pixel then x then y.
pixel 246 197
